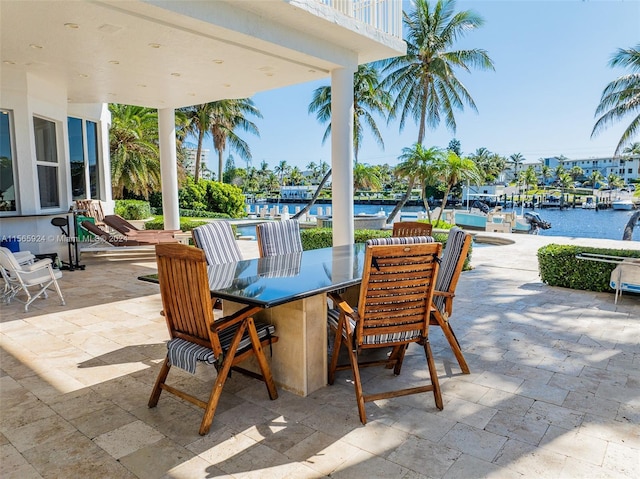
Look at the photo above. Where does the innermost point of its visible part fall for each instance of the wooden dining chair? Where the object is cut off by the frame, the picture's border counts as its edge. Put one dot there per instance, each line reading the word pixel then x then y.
pixel 453 257
pixel 278 237
pixel 411 228
pixel 393 310
pixel 195 336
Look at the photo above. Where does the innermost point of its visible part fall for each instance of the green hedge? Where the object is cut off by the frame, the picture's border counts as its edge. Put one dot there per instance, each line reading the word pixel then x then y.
pixel 559 267
pixel 194 213
pixel 133 209
pixel 185 224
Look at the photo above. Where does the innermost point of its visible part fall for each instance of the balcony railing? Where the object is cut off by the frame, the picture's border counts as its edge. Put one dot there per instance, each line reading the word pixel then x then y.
pixel 384 15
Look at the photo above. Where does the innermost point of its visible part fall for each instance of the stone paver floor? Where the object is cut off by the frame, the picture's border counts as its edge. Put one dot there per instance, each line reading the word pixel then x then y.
pixel 554 390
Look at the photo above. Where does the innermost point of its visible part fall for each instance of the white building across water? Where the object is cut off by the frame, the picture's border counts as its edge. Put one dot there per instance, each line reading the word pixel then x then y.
pixel 63 61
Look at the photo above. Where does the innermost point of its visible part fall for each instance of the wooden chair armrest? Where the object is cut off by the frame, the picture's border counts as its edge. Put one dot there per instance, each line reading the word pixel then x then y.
pixel 237 317
pixel 445 294
pixel 343 305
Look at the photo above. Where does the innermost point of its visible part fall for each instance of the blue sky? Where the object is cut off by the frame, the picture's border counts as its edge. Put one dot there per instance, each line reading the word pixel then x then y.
pixel 551 65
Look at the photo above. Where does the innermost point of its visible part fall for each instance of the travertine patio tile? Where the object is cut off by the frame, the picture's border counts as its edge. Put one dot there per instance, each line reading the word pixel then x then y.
pixel 322 453
pixel 507 402
pixel 154 459
pixel 525 429
pixel 424 424
pixel 424 457
pixel 74 455
pixel 499 381
pixel 556 415
pixel 542 392
pixel 482 444
pixel 364 464
pixel 622 459
pixel 589 402
pixel 279 434
pixel 195 467
pixel 466 412
pixel 128 439
pixel 469 466
pixel 531 461
pixel 575 468
pixel 575 444
pixel 14 465
pixel 626 433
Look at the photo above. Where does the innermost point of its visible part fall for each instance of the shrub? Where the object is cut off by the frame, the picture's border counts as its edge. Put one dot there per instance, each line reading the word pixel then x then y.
pixel 133 209
pixel 212 196
pixel 185 224
pixel 559 266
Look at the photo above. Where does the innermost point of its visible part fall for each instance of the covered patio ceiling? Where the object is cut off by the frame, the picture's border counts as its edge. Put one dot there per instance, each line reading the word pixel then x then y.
pixel 173 54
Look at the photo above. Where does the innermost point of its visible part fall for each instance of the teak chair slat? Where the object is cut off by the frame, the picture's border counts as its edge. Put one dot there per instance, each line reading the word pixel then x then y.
pixel 411 228
pixel 188 311
pixel 391 312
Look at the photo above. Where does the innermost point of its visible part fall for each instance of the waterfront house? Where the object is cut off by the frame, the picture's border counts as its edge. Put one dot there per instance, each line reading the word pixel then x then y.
pixel 64 61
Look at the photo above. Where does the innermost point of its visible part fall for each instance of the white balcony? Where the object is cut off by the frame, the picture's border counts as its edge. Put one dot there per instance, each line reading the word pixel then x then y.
pixel 383 15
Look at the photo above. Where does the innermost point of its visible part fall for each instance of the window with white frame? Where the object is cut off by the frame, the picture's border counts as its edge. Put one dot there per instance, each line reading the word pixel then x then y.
pixel 83 157
pixel 47 162
pixel 7 182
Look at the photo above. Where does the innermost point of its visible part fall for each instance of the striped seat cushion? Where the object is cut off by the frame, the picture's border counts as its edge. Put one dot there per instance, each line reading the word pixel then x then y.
pixel 333 316
pixel 400 240
pixel 279 237
pixel 450 257
pixel 185 354
pixel 217 241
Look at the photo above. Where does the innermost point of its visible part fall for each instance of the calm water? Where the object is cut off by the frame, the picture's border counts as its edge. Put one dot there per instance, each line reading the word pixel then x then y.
pixel 605 224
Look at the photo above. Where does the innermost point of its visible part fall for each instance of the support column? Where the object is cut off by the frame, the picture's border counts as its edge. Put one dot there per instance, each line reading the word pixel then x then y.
pixel 169 168
pixel 342 154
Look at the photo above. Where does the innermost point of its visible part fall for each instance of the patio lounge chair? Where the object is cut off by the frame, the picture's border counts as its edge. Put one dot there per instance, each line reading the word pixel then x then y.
pixel 278 237
pixel 195 336
pixel 123 227
pixel 20 277
pixel 411 228
pixel 121 241
pixel 393 310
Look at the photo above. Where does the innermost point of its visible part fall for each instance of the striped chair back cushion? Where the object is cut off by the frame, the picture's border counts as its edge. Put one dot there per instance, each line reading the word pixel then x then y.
pixel 450 258
pixel 400 240
pixel 217 241
pixel 279 237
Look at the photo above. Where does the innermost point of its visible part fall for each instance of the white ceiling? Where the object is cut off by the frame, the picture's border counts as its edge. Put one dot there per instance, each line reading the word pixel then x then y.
pixel 170 54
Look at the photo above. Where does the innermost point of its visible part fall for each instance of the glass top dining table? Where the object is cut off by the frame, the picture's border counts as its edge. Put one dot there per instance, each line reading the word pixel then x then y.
pixel 275 280
pixel 289 292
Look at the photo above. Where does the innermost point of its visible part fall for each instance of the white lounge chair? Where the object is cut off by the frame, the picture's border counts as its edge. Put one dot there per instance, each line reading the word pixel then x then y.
pixel 20 277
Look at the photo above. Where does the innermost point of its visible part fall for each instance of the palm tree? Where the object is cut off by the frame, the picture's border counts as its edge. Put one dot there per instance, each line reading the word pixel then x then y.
pixel 621 97
pixel 632 149
pixel 545 172
pixel 419 164
pixel 516 160
pixel 575 172
pixel 451 170
pixel 423 81
pixel 596 178
pixel 133 146
pixel 368 98
pixel 528 177
pixel 282 169
pixel 199 125
pixel 226 117
pixel 365 177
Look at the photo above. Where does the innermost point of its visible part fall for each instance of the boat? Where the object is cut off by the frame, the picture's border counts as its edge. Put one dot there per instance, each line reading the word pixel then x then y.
pixel 622 205
pixel 589 203
pixel 480 217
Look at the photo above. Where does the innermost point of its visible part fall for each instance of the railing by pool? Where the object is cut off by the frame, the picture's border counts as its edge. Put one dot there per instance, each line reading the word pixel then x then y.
pixel 385 15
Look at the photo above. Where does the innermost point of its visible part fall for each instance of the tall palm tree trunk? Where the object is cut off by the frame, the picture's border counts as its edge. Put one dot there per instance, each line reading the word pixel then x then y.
pixel 402 202
pixel 313 198
pixel 627 235
pixel 196 168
